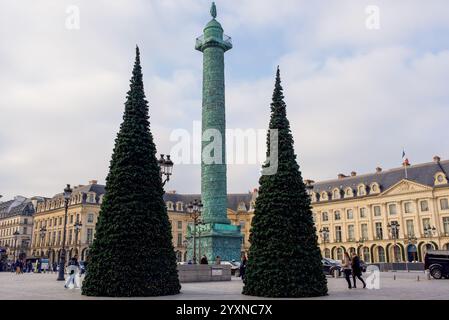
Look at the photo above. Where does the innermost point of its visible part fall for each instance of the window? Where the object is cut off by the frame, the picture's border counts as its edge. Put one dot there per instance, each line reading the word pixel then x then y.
pixel 410 228
pixel 25 221
pixel 242 225
pixel 426 223
pixel 351 232
pixel 179 206
pixel 446 225
pixel 179 224
pixel 90 235
pixel 381 254
pixel 366 255
pixel 60 221
pixel 365 231
pixel 379 231
pixel 424 206
pixel 91 198
pixel 392 209
pixel 349 214
pixel 170 206
pixel 408 207
pixel 362 213
pixel 361 190
pixel 179 239
pixel 444 204
pixel 90 217
pixel 70 236
pixel 25 230
pixel 59 237
pixel 71 218
pixel 325 216
pixel 377 211
pixel 337 215
pixel 338 234
pixel 336 194
pixel 340 254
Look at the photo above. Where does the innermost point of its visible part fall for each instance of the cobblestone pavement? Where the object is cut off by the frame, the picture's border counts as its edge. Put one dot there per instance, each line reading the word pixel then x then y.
pixel 405 287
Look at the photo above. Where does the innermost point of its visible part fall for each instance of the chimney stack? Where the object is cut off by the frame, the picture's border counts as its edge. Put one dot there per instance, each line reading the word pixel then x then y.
pixel 341 176
pixel 436 159
pixel 378 169
pixel 353 174
pixel 93 182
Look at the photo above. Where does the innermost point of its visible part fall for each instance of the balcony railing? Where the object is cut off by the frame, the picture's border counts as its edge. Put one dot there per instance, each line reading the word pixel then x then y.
pixel 200 40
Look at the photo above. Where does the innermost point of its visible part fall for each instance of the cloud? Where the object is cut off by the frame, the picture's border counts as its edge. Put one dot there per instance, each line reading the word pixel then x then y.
pixel 355 97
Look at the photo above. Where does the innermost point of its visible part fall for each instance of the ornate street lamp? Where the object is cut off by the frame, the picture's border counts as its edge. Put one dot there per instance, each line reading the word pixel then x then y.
pixel 16 236
pixel 393 228
pixel 166 168
pixel 42 233
pixel 324 234
pixel 78 225
pixel 195 208
pixel 429 231
pixel 67 195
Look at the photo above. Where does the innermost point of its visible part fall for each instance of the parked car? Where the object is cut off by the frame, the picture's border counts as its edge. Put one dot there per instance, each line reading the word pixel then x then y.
pixel 437 262
pixel 331 267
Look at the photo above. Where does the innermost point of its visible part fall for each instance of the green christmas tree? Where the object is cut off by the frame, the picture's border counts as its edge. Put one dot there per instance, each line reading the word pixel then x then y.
pixel 132 254
pixel 284 259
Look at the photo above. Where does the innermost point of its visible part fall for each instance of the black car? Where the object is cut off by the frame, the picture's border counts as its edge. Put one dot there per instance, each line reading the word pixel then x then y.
pixel 331 267
pixel 437 262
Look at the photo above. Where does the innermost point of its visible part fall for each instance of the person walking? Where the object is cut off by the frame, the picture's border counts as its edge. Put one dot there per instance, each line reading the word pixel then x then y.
pixel 357 270
pixel 243 266
pixel 347 269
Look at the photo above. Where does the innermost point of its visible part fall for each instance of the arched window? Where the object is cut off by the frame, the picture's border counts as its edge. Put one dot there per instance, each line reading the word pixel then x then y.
pixel 324 196
pixel 397 254
pixel 381 254
pixel 366 255
pixel 361 190
pixel 179 206
pixel 349 193
pixel 375 188
pixel 169 205
pixel 336 194
pixel 340 254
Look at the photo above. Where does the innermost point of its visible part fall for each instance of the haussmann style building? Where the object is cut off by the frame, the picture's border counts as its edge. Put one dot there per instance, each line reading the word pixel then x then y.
pixel 386 216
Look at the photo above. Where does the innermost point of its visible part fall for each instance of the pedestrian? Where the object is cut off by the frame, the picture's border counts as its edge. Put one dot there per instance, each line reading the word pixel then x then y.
pixel 347 269
pixel 204 260
pixel 18 267
pixel 357 270
pixel 218 260
pixel 243 266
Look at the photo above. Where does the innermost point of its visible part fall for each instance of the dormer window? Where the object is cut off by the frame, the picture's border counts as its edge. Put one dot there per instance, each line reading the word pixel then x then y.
pixel 336 194
pixel 324 196
pixel 375 188
pixel 349 193
pixel 440 178
pixel 91 198
pixel 170 206
pixel 361 190
pixel 179 206
pixel 241 207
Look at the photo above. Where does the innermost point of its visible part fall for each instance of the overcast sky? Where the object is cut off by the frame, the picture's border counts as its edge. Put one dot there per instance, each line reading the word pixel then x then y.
pixel 355 96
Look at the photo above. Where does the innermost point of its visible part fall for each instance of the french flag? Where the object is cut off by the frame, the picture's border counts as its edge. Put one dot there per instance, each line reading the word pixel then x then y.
pixel 404 159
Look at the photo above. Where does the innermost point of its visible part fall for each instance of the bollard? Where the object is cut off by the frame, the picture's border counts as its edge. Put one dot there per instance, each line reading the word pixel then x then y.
pixel 417 278
pixel 394 277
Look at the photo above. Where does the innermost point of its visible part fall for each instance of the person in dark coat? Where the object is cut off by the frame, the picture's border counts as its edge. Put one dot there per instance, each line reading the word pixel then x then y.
pixel 243 266
pixel 356 270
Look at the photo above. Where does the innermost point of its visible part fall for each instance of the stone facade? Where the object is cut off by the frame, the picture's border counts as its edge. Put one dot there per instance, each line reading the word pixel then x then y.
pixel 357 210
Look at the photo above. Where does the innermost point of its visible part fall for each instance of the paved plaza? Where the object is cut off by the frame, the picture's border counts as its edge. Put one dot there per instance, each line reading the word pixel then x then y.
pixel 405 287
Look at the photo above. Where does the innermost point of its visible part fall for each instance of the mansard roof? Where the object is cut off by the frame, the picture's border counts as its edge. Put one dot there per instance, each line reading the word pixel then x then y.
pixel 233 199
pixel 20 206
pixel 421 173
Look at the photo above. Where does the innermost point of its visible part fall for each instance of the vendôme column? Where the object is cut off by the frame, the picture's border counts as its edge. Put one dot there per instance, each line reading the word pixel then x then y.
pixel 218 237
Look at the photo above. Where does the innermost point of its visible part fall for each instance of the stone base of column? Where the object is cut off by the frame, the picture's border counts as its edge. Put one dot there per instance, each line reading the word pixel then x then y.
pixel 215 239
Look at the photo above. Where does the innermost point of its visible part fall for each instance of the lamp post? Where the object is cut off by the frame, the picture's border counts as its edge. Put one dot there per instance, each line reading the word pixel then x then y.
pixel 324 234
pixel 194 208
pixel 393 228
pixel 166 168
pixel 16 236
pixel 78 225
pixel 42 232
pixel 429 232
pixel 67 195
pixel 360 245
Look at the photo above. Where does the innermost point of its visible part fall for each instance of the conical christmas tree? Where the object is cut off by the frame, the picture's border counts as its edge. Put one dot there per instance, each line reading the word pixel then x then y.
pixel 132 254
pixel 284 259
